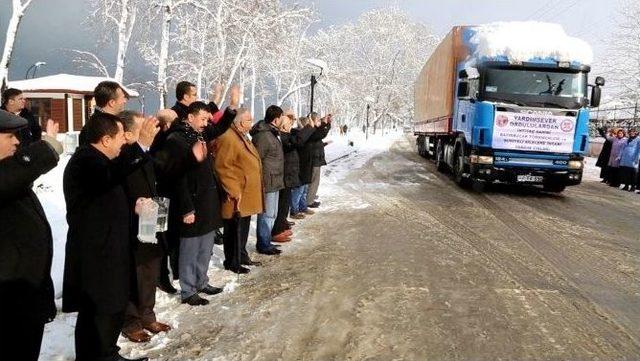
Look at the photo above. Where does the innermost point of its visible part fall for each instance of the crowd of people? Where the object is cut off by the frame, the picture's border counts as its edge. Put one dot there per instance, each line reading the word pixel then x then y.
pixel 619 158
pixel 216 167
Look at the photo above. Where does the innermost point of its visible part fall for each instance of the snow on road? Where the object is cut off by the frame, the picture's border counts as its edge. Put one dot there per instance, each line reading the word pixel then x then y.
pixel 59 335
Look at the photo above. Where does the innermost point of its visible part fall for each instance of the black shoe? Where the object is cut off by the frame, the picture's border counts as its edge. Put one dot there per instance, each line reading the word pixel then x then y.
pixel 210 290
pixel 238 270
pixel 195 300
pixel 165 286
pixel 271 252
pixel 315 204
pixel 252 263
pixel 120 358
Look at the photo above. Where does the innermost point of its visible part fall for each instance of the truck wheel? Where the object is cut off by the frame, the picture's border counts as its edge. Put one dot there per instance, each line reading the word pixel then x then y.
pixel 458 168
pixel 554 187
pixel 441 165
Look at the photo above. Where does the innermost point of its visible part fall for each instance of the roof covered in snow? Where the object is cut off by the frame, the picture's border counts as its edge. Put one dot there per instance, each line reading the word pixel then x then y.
pixel 529 40
pixel 64 83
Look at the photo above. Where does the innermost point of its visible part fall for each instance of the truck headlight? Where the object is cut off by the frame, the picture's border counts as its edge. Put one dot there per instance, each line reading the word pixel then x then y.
pixel 481 159
pixel 575 164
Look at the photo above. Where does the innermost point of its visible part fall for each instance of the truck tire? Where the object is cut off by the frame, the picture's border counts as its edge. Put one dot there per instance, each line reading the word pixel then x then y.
pixel 554 187
pixel 459 167
pixel 441 165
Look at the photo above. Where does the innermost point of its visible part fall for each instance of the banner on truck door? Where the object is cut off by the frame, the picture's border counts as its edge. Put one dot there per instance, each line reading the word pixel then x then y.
pixel 533 132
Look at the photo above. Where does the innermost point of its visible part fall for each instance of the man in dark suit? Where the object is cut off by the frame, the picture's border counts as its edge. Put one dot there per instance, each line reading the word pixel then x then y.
pixel 13 101
pixel 26 244
pixel 140 317
pixel 97 270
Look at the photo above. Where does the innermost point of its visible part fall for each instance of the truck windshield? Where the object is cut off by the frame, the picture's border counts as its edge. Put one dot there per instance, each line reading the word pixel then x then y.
pixel 533 87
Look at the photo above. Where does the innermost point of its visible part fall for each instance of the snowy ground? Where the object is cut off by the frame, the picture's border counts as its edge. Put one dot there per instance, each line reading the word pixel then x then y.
pixel 58 339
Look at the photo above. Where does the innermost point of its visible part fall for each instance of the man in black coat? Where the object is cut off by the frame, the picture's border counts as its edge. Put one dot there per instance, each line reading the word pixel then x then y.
pixel 195 201
pixel 292 140
pixel 141 184
pixel 310 161
pixel 13 101
pixel 97 270
pixel 26 244
pixel 323 126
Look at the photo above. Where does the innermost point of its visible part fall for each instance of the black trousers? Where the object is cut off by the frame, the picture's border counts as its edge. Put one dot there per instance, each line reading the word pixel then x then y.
pixel 97 335
pixel 236 233
pixel 628 176
pixel 284 204
pixel 21 338
pixel 614 176
pixel 140 310
pixel 171 248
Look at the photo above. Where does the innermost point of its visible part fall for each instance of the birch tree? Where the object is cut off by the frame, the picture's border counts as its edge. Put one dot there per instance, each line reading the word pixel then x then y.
pixel 116 20
pixel 18 8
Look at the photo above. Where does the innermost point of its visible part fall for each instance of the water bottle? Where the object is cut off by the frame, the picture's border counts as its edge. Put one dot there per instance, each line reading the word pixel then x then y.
pixel 147 222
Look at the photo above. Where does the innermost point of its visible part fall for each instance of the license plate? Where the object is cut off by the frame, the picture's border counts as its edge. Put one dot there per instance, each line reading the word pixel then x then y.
pixel 528 178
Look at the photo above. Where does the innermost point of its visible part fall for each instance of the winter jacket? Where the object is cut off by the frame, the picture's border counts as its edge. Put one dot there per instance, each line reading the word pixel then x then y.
pixel 616 148
pixel 291 142
pixel 33 132
pixel 309 154
pixel 196 190
pixel 97 271
pixel 318 147
pixel 266 139
pixel 26 243
pixel 630 153
pixel 239 169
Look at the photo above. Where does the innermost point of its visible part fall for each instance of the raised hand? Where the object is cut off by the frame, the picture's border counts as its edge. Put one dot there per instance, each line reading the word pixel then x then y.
pixel 216 93
pixel 52 128
pixel 148 131
pixel 234 95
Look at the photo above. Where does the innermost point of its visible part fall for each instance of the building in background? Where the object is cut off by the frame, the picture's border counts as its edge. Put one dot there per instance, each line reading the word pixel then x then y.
pixel 65 98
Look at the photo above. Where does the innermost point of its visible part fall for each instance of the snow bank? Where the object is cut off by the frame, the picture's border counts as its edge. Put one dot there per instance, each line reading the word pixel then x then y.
pixel 524 41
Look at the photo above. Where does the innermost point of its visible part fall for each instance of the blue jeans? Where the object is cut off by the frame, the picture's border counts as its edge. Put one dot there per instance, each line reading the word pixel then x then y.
pixel 302 205
pixel 296 197
pixel 195 254
pixel 266 221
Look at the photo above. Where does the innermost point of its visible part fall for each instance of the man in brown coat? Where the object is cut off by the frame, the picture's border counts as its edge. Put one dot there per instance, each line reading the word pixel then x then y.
pixel 239 170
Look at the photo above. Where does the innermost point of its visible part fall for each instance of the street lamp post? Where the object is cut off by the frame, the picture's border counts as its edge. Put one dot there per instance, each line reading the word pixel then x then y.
pixel 366 134
pixel 35 67
pixel 314 80
pixel 369 100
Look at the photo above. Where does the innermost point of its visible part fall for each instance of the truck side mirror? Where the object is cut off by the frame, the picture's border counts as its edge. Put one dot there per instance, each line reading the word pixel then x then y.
pixel 599 81
pixel 596 93
pixel 463 90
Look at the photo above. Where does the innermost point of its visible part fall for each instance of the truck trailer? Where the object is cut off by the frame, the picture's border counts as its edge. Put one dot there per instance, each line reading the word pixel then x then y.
pixel 507 102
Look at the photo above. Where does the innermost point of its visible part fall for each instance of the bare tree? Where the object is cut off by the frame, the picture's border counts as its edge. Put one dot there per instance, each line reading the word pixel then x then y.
pixel 622 62
pixel 18 9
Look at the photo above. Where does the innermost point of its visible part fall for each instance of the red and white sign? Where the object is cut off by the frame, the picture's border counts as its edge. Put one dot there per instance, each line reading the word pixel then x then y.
pixel 533 132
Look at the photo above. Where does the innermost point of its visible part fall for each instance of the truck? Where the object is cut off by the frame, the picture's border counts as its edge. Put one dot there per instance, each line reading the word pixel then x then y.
pixel 507 102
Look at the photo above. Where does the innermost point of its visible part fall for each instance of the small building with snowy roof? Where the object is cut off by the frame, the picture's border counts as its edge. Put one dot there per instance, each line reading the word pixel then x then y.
pixel 65 98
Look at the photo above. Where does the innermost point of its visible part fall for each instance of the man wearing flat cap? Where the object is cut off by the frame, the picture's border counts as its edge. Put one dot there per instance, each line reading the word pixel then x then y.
pixel 26 243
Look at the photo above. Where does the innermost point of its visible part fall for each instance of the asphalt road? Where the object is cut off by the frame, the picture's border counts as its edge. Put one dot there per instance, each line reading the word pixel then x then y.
pixel 402 264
